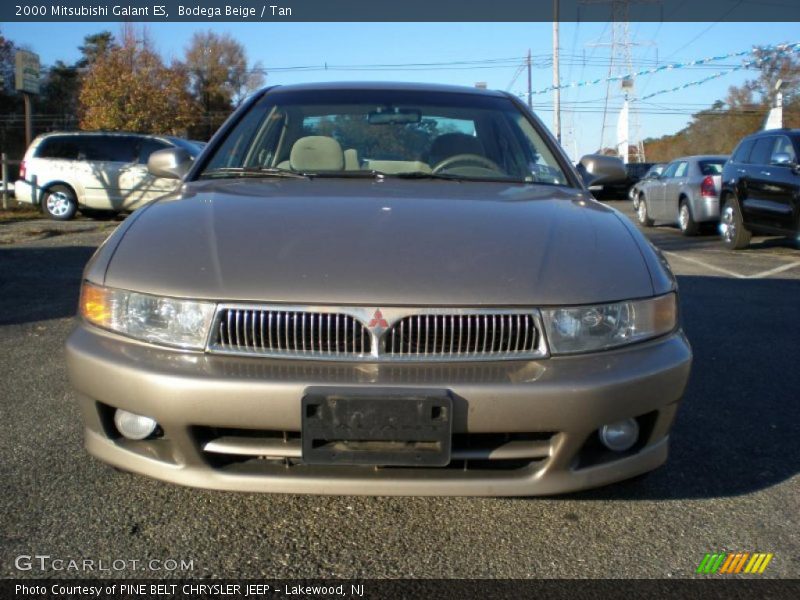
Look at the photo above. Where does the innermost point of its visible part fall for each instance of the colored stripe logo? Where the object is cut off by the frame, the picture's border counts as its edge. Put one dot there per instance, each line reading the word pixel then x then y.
pixel 731 563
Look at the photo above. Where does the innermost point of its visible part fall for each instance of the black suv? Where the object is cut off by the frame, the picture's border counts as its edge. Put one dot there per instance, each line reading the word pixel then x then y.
pixel 761 188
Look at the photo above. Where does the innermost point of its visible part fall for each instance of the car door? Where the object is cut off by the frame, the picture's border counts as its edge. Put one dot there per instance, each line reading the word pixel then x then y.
pixel 655 191
pixel 139 186
pixel 782 184
pixel 671 190
pixel 759 207
pixel 106 157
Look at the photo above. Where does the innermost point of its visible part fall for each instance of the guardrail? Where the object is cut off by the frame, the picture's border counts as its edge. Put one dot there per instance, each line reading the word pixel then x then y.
pixel 5 163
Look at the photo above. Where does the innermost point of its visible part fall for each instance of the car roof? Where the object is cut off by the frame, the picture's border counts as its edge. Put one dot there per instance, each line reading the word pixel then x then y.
pixel 779 131
pixel 173 139
pixel 384 85
pixel 703 157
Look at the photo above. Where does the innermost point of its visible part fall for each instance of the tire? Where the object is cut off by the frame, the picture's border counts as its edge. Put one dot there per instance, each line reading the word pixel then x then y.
pixel 642 214
pixel 59 203
pixel 635 200
pixel 686 220
pixel 734 234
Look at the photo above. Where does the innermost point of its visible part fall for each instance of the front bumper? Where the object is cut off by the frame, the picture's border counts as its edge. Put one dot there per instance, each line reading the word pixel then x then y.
pixel 561 401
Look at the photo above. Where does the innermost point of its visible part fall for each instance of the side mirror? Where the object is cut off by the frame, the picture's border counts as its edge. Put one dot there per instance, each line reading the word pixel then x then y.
pixel 783 159
pixel 599 169
pixel 169 163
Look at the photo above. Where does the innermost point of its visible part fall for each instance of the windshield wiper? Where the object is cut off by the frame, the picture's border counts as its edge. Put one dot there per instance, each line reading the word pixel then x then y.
pixel 370 174
pixel 460 178
pixel 256 172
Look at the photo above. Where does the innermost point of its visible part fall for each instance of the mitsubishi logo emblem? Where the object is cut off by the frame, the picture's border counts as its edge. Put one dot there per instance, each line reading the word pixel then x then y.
pixel 378 321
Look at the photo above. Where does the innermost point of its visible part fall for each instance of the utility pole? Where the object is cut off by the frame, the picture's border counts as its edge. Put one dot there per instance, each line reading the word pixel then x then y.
pixel 556 77
pixel 621 63
pixel 530 91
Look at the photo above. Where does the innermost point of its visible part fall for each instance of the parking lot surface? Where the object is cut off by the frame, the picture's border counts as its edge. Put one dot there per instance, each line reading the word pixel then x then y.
pixel 731 483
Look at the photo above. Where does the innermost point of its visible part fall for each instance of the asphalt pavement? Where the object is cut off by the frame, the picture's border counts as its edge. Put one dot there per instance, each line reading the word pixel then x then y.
pixel 731 483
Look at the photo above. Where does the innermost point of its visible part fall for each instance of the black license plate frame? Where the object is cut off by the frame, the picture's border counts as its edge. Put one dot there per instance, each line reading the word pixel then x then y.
pixel 377 426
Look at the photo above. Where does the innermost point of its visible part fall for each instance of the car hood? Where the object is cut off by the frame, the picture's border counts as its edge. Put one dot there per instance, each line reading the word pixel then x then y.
pixel 383 242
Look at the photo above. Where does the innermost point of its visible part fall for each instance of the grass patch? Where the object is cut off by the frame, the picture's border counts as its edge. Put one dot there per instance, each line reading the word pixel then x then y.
pixel 12 215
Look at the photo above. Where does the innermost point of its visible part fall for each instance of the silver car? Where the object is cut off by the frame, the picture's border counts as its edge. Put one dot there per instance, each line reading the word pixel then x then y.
pixel 380 289
pixel 686 193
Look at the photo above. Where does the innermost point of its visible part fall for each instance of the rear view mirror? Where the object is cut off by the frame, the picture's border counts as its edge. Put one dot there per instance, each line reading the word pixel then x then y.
pixel 169 163
pixel 394 116
pixel 599 169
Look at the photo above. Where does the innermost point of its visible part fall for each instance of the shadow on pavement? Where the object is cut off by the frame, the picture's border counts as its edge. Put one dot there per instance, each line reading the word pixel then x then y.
pixel 41 283
pixel 737 429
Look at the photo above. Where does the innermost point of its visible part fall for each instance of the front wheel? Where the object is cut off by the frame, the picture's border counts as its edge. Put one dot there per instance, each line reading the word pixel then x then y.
pixel 686 221
pixel 731 226
pixel 59 203
pixel 641 213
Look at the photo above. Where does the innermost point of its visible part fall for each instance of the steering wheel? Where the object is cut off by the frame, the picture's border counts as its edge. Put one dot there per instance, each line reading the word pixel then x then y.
pixel 474 159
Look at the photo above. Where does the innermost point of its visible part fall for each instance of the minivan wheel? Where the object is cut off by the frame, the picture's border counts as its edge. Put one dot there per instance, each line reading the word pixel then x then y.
pixel 641 213
pixel 685 219
pixel 59 203
pixel 734 234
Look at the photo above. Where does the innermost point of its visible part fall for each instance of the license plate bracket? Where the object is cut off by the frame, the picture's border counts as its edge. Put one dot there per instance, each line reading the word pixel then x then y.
pixel 377 426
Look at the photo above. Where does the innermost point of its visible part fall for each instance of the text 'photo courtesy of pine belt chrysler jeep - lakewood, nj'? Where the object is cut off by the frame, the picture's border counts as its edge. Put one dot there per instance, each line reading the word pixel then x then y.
pixel 384 289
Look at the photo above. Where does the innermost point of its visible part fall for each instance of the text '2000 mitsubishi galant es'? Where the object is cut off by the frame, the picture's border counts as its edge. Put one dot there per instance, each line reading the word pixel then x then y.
pixel 380 289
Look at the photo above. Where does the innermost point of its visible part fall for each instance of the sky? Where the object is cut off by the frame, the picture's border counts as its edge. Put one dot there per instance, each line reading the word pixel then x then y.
pixel 496 51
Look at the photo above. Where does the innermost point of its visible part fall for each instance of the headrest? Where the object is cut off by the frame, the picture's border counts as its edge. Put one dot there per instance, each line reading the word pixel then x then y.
pixel 316 153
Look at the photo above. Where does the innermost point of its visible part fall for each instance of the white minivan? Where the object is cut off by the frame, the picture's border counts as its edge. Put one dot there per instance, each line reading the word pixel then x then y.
pixel 93 172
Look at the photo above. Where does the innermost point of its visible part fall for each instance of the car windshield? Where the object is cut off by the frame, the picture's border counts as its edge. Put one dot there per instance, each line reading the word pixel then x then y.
pixel 712 167
pixel 386 133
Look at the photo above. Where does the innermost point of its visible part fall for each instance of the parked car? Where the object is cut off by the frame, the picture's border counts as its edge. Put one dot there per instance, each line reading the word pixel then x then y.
pixel 686 193
pixel 379 289
pixel 652 173
pixel 619 189
pixel 761 188
pixel 107 172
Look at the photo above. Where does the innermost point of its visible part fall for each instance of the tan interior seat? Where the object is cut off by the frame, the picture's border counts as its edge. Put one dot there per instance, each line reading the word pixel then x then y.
pixel 316 153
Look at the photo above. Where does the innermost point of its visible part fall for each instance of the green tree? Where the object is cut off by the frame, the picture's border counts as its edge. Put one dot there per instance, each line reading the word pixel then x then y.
pixel 95 45
pixel 718 129
pixel 219 74
pixel 129 88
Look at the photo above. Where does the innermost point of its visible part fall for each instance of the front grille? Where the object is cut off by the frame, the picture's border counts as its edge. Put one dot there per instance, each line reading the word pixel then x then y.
pixel 223 447
pixel 463 334
pixel 289 333
pixel 385 334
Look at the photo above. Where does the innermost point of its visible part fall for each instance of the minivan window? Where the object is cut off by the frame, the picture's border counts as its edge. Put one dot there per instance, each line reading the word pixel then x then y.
pixel 63 147
pixel 108 148
pixel 742 152
pixel 762 151
pixel 148 146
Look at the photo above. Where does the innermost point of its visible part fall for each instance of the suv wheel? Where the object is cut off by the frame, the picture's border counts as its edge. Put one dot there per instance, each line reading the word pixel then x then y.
pixel 685 219
pixel 641 213
pixel 59 203
pixel 734 234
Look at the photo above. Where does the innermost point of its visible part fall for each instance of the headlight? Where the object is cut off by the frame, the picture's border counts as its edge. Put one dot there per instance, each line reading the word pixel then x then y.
pixel 590 328
pixel 183 323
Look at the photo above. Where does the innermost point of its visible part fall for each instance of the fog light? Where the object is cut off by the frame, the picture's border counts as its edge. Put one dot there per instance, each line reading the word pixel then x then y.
pixel 133 426
pixel 619 436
